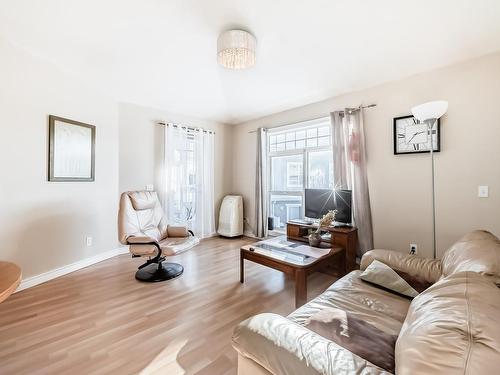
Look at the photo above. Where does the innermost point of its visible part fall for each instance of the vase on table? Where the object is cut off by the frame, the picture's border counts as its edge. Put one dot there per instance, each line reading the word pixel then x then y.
pixel 325 222
pixel 315 239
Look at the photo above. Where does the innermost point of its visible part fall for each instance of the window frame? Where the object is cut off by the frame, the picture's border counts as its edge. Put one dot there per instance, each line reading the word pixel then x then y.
pixel 304 152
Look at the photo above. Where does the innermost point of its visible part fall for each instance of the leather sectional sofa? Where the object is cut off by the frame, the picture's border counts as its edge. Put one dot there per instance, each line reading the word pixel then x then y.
pixel 354 327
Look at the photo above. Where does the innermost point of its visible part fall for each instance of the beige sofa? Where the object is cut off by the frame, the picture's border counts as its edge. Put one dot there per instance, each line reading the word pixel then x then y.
pixel 451 327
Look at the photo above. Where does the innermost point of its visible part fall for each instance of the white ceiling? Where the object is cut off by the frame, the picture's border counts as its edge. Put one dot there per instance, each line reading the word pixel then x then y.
pixel 162 53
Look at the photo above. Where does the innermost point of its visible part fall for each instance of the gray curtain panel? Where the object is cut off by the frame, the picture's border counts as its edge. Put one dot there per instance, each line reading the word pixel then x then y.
pixel 261 185
pixel 349 165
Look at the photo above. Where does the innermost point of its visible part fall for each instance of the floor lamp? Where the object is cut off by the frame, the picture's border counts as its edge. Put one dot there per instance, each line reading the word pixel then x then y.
pixel 429 113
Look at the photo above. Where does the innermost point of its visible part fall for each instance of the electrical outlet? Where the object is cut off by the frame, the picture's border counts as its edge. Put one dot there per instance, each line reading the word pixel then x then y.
pixel 149 187
pixel 88 241
pixel 413 249
pixel 483 191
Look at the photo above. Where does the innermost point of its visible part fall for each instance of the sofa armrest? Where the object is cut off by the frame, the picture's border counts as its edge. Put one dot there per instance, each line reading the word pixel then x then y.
pixel 413 265
pixel 285 347
pixel 146 240
pixel 177 231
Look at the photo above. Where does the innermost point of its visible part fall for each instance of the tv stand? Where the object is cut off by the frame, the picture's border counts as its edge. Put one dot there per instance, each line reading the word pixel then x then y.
pixel 343 236
pixel 342 226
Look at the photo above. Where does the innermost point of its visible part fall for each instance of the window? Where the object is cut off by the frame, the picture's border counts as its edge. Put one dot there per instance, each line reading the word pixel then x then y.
pixel 300 138
pixel 294 175
pixel 187 176
pixel 320 175
pixel 183 199
pixel 287 173
pixel 299 157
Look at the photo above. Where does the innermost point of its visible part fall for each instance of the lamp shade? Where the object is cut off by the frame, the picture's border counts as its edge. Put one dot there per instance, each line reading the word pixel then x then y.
pixel 236 49
pixel 430 110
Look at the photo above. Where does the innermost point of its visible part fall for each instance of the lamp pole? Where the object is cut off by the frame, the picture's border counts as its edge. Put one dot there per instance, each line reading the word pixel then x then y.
pixel 430 125
pixel 429 113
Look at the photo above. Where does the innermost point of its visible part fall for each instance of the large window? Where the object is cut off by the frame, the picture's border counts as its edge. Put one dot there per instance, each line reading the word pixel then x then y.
pixel 182 200
pixel 187 178
pixel 300 156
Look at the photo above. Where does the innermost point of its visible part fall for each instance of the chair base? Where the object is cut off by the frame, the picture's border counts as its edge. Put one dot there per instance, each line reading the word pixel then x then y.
pixel 152 273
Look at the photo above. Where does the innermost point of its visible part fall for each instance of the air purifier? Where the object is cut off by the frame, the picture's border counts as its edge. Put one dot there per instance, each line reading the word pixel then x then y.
pixel 231 216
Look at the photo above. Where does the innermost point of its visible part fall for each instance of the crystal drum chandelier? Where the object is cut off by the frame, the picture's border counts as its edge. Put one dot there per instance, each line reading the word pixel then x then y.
pixel 236 49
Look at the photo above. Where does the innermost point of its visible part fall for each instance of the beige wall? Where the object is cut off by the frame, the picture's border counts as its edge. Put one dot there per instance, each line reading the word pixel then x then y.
pixel 400 186
pixel 43 224
pixel 141 148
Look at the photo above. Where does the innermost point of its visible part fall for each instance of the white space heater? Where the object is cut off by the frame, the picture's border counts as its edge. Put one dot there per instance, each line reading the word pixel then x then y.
pixel 231 216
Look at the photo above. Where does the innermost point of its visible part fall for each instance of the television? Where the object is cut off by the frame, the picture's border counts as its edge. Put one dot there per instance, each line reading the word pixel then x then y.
pixel 319 201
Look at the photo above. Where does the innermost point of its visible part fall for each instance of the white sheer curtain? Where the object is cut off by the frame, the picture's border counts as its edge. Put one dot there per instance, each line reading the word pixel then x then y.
pixel 261 185
pixel 187 193
pixel 349 165
pixel 204 218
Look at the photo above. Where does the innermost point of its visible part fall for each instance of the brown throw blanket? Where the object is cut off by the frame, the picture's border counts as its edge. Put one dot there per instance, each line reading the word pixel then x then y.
pixel 417 283
pixel 357 336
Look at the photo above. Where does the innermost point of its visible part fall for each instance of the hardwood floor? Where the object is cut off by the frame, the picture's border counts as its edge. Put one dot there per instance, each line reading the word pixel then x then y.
pixel 100 320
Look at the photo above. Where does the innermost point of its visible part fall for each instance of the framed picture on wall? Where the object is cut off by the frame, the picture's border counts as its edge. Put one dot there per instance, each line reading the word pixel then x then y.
pixel 71 150
pixel 412 137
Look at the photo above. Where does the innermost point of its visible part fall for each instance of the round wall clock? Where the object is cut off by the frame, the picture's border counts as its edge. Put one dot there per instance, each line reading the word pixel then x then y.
pixel 412 137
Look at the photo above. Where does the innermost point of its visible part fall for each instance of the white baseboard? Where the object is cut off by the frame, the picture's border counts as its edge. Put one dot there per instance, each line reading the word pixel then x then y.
pixel 57 272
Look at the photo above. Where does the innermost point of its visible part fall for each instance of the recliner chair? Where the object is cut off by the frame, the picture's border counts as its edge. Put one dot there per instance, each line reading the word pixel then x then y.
pixel 143 227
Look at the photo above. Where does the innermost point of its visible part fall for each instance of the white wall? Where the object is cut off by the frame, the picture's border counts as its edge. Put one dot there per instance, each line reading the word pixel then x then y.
pixel 141 148
pixel 43 224
pixel 400 186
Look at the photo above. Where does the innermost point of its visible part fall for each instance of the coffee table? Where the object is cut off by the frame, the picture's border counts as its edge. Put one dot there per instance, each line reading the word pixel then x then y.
pixel 293 258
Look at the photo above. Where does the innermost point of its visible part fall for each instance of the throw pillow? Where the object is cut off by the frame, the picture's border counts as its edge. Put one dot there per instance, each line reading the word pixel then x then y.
pixel 381 274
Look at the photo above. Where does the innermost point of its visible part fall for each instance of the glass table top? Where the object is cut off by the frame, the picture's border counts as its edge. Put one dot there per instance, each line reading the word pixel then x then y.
pixel 293 252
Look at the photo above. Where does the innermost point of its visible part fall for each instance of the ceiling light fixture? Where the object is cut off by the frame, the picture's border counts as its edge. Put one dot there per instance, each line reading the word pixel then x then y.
pixel 236 49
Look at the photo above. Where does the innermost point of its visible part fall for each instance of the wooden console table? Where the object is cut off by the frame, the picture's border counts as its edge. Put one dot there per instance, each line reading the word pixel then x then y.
pixel 345 237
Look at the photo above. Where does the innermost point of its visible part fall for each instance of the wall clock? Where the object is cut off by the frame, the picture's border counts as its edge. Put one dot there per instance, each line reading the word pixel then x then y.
pixel 411 137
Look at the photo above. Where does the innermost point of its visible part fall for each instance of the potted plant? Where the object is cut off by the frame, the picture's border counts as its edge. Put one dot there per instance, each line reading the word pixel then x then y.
pixel 326 221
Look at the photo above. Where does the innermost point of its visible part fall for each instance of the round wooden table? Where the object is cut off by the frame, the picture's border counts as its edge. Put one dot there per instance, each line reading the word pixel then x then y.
pixel 10 277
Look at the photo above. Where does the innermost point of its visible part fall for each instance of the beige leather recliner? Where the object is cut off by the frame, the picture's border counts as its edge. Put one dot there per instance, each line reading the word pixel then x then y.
pixel 143 227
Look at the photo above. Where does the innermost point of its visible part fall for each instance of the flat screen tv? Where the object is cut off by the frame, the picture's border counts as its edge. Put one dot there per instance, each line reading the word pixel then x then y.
pixel 319 201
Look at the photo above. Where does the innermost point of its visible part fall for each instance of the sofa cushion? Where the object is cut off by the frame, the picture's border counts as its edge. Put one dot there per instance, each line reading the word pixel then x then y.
pixel 283 347
pixel 380 274
pixel 355 335
pixel 452 328
pixel 380 308
pixel 477 251
pixel 419 272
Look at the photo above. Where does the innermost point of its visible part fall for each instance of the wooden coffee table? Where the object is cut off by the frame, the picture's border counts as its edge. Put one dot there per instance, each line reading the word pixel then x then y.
pixel 298 261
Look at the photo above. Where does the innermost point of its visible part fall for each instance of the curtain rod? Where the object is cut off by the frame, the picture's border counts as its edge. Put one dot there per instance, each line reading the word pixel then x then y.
pixel 185 127
pixel 318 118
